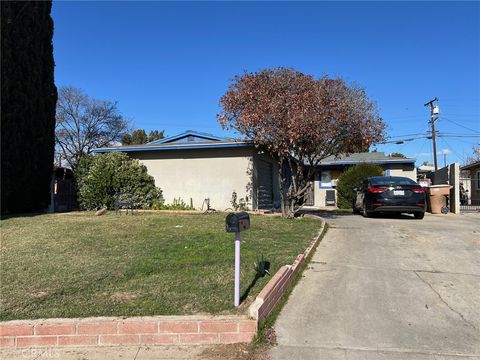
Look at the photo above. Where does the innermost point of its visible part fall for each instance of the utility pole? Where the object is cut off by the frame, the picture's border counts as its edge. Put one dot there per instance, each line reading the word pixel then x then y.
pixel 433 112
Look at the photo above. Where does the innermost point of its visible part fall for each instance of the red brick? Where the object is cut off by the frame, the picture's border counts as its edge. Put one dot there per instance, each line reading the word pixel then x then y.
pixel 138 327
pixel 77 340
pixel 97 328
pixel 178 327
pixel 55 329
pixel 232 338
pixel 16 330
pixel 247 326
pixel 198 338
pixel 218 326
pixel 119 339
pixel 273 282
pixel 7 341
pixel 158 339
pixel 36 341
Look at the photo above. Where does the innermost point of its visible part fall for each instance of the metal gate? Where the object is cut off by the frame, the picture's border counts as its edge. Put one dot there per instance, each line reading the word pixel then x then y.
pixel 470 206
pixel 468 189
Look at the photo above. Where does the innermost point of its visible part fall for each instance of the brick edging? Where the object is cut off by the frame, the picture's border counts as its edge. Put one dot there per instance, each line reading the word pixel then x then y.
pixel 104 331
pixel 271 294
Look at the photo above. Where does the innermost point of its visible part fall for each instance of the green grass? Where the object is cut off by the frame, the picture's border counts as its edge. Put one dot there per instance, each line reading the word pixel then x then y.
pixel 77 264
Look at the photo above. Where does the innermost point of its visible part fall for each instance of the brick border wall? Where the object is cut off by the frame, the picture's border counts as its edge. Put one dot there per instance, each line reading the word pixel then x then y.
pixel 156 330
pixel 271 294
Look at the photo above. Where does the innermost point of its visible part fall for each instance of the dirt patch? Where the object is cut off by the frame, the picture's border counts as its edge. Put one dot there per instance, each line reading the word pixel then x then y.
pixel 253 351
pixel 233 351
pixel 123 296
pixel 39 294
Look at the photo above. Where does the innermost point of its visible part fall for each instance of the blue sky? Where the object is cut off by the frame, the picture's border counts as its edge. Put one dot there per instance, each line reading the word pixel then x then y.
pixel 167 64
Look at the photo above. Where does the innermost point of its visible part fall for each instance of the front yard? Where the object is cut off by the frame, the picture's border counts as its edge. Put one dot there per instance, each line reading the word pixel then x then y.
pixel 78 265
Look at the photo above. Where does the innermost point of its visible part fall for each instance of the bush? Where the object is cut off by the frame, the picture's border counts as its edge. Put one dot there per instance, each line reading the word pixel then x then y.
pixel 353 178
pixel 103 177
pixel 178 204
pixel 240 205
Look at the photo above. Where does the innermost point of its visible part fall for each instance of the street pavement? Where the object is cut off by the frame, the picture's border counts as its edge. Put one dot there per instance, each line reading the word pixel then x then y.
pixel 387 288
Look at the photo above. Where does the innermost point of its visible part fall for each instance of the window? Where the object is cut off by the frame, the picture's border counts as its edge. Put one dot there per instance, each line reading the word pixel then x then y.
pixel 478 180
pixel 325 179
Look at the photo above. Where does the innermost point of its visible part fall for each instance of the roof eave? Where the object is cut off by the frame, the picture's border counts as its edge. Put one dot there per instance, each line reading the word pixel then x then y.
pixel 164 147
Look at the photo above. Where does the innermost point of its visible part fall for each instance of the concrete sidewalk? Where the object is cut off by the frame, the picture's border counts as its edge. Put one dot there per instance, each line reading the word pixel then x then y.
pixel 388 288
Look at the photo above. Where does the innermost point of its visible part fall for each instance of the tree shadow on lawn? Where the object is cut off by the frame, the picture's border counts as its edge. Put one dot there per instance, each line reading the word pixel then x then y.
pixel 19 215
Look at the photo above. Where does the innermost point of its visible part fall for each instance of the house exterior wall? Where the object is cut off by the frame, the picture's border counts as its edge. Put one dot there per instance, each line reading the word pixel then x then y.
pixel 201 173
pixel 405 170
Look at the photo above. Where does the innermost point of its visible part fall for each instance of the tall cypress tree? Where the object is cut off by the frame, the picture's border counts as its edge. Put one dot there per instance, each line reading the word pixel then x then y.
pixel 28 98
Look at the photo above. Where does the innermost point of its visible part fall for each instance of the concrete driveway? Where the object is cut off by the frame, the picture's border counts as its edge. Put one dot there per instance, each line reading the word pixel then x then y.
pixel 388 288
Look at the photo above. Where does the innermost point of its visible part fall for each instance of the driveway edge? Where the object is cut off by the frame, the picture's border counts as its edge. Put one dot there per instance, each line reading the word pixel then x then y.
pixel 271 294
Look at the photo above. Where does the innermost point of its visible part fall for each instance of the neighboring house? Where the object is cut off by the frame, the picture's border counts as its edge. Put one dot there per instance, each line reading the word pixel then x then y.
pixel 331 168
pixel 473 170
pixel 201 166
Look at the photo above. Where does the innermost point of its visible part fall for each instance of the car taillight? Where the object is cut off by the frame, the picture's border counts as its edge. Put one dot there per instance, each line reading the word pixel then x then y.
pixel 418 190
pixel 376 190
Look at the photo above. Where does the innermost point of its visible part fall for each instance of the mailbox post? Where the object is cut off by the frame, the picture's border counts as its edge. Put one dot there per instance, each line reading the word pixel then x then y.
pixel 237 222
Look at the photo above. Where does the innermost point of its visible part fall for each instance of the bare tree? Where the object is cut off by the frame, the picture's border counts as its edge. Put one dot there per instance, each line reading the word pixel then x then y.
pixel 83 124
pixel 475 157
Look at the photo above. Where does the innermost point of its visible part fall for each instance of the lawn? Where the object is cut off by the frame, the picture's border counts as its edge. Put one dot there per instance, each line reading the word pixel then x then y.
pixel 78 264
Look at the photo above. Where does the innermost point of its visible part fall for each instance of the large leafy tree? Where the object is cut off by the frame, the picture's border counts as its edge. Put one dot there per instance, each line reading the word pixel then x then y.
pixel 28 105
pixel 397 155
pixel 139 136
pixel 299 120
pixel 84 124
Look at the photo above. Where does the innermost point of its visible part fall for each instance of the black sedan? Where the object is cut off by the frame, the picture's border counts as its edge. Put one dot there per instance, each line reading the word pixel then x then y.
pixel 382 194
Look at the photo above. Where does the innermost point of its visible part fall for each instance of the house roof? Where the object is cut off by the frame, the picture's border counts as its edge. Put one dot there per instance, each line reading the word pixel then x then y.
pixel 470 166
pixel 364 158
pixel 189 136
pixel 184 141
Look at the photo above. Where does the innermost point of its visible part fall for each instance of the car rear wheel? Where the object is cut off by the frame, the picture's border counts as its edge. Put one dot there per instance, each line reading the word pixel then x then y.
pixel 419 215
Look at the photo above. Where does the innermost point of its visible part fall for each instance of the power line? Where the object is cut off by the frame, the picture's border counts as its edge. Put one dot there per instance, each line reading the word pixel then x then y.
pixel 463 126
pixel 398 136
pixel 454 151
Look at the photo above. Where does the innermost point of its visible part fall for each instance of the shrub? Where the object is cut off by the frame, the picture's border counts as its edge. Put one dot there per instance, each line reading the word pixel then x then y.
pixel 177 204
pixel 240 205
pixel 103 177
pixel 353 178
